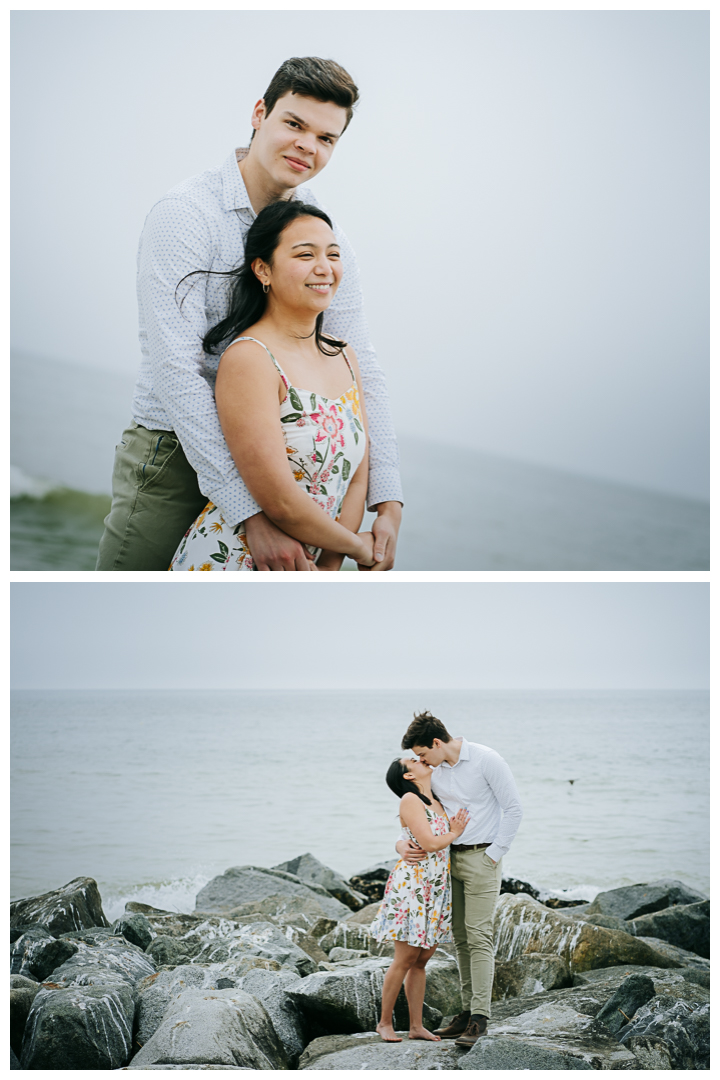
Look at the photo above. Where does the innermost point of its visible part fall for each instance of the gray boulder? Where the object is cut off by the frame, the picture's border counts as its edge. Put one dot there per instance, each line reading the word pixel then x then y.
pixel 532 973
pixel 310 869
pixel 156 992
pixel 214 1027
pixel 354 935
pixel 634 900
pixel 549 1036
pixel 681 957
pixel 22 994
pixel 367 1052
pixel 241 884
pixel 523 925
pixel 135 928
pixel 270 989
pixel 81 1027
pixel 635 991
pixel 166 951
pixel 108 961
pixel 442 987
pixel 610 922
pixel 365 916
pixel 684 925
pixel 75 906
pixel 260 939
pixel 346 954
pixel 678 1026
pixel 37 952
pixel 283 909
pixel 348 999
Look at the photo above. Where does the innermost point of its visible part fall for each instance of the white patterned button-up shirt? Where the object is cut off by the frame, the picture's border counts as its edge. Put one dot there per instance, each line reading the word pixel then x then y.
pixel 481 782
pixel 201 224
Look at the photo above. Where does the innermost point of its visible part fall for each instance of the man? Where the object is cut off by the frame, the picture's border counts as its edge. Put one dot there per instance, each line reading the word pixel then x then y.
pixel 474 777
pixel 173 458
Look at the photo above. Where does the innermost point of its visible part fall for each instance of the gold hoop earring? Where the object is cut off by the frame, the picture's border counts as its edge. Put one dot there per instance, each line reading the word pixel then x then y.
pixel 266 288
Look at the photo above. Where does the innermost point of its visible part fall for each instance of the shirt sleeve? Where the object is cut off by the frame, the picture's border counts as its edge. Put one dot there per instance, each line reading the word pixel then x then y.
pixel 346 320
pixel 177 240
pixel 499 778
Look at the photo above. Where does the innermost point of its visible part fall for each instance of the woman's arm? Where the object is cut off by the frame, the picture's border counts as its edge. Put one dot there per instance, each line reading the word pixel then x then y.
pixel 412 812
pixel 246 394
pixel 353 508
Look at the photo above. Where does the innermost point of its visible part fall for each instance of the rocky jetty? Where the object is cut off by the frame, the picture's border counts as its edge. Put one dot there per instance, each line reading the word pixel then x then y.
pixel 276 969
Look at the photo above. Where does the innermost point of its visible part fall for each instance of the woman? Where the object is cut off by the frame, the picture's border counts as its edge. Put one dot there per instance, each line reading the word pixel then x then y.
pixel 289 400
pixel 417 907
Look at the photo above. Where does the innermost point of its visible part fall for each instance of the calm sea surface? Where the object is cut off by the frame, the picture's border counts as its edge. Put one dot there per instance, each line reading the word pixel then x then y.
pixel 153 793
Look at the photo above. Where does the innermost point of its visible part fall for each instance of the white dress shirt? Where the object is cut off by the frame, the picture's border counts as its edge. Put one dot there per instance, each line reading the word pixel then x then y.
pixel 201 224
pixel 481 782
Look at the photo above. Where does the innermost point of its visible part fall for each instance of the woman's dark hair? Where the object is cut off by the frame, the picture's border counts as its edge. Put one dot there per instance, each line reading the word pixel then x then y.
pixel 395 780
pixel 247 299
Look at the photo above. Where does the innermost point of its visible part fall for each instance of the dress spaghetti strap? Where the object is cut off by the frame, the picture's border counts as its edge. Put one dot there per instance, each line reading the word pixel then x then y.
pixel 281 373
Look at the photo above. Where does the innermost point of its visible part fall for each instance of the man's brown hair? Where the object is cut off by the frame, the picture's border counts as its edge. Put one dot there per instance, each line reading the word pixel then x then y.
pixel 323 80
pixel 424 728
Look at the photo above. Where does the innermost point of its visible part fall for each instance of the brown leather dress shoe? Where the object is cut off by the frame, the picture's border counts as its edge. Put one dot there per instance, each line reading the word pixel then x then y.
pixel 476 1028
pixel 457 1026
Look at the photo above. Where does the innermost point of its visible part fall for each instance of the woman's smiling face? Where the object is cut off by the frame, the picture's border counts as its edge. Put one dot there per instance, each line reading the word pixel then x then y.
pixel 306 266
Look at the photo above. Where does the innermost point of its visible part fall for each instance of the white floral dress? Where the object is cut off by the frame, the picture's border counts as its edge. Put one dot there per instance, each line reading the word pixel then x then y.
pixel 417 905
pixel 325 443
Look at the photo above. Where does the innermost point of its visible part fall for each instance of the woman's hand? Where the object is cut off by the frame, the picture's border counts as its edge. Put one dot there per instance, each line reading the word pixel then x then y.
pixel 459 821
pixel 364 556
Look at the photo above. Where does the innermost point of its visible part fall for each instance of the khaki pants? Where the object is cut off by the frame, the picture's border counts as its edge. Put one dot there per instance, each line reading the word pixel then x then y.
pixel 155 499
pixel 475 889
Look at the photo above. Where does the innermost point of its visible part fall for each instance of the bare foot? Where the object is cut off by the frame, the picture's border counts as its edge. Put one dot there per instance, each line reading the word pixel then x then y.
pixel 423 1033
pixel 387 1033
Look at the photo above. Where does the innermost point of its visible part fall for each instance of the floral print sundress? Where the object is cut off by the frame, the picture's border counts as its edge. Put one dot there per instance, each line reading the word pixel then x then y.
pixel 324 442
pixel 417 905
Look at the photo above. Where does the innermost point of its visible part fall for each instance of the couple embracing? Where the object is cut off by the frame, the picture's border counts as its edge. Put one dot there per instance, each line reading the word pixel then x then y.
pixel 261 425
pixel 445 888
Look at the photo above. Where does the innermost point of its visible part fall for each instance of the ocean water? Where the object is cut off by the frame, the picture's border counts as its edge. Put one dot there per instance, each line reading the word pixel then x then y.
pixel 464 510
pixel 153 793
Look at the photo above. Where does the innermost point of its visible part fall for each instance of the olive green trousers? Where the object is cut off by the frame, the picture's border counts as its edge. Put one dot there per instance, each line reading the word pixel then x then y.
pixel 475 889
pixel 155 499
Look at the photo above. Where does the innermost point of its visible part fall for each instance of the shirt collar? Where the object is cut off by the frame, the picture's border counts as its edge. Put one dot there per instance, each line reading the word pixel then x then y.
pixel 464 755
pixel 235 196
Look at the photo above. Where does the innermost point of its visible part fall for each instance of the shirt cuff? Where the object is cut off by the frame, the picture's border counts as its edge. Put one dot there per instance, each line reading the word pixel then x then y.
pixel 234 501
pixel 383 486
pixel 495 852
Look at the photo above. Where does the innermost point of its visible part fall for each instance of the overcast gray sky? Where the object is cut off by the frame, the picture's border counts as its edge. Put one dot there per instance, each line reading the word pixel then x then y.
pixel 344 635
pixel 527 192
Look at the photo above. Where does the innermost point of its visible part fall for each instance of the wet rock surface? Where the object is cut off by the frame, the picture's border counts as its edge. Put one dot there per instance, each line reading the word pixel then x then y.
pixel 530 974
pixel 104 961
pixel 22 995
pixel 241 884
pixel 214 1027
pixel 523 925
pixel 633 992
pixel 310 869
pixel 37 952
pixel 75 906
pixel 685 925
pixel 368 1052
pixel 635 900
pixel 81 1027
pixel 290 978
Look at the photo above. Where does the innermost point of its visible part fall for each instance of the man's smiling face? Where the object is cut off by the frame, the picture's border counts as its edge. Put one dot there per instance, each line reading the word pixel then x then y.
pixel 296 140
